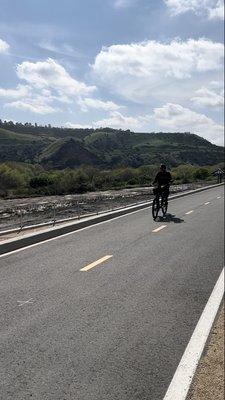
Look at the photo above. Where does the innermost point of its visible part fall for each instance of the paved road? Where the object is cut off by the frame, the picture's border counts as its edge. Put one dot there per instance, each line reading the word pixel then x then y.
pixel 118 330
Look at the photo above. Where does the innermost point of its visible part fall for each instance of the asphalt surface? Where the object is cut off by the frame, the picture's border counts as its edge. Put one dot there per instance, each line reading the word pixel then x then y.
pixel 117 331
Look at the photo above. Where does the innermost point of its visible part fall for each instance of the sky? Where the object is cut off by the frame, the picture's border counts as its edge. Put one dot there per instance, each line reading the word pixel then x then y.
pixel 143 65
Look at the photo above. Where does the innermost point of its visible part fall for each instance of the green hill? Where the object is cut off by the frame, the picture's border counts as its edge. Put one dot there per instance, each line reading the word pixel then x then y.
pixel 20 147
pixel 59 148
pixel 67 153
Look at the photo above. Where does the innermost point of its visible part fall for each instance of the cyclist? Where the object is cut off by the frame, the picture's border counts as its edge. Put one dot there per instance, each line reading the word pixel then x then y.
pixel 163 179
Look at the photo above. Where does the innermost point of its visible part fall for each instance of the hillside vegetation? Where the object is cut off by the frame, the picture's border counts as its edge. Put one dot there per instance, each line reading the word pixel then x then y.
pixel 60 148
pixel 38 160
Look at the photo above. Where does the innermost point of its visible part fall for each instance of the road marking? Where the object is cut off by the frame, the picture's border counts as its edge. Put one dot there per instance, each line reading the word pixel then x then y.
pixel 208 202
pixel 95 263
pixel 219 197
pixel 184 374
pixel 159 229
pixel 189 212
pixel 30 301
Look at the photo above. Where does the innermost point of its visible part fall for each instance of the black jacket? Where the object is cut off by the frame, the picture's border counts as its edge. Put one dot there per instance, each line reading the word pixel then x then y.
pixel 163 178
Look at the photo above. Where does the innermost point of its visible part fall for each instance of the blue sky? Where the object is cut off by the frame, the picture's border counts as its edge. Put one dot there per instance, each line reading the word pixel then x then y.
pixel 144 65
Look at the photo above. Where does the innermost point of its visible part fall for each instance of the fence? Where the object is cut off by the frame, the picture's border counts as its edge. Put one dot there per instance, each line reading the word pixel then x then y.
pixel 15 214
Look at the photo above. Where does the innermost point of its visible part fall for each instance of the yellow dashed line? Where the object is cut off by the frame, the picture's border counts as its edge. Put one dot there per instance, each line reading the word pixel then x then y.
pixel 95 263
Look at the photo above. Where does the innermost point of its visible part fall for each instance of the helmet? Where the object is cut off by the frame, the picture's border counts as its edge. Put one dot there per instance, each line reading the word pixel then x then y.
pixel 162 166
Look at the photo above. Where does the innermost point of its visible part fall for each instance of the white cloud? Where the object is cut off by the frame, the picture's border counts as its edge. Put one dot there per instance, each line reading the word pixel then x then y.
pixel 47 45
pixel 61 98
pixel 124 3
pixel 216 84
pixel 38 105
pixel 208 98
pixel 137 70
pixel 214 9
pixel 118 121
pixel 77 126
pixel 47 83
pixel 90 103
pixel 174 117
pixel 64 48
pixel 19 92
pixel 32 107
pixel 4 46
pixel 217 12
pixel 50 74
pixel 115 120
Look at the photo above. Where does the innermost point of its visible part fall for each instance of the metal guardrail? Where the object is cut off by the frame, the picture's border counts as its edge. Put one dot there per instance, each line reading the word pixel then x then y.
pixel 28 216
pixel 56 221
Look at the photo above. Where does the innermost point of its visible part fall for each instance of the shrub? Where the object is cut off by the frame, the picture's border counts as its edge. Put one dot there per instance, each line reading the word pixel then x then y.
pixel 201 174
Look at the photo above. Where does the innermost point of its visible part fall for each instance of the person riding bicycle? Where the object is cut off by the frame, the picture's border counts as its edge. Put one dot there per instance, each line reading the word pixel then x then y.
pixel 163 179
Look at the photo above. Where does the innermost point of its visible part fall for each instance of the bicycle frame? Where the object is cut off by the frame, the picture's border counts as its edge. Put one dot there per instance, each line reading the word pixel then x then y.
pixel 160 202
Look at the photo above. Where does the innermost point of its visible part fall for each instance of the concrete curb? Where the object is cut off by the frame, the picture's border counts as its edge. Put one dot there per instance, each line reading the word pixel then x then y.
pixel 27 240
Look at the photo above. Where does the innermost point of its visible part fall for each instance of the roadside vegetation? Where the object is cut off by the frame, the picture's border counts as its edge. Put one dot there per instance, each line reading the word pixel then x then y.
pixel 21 179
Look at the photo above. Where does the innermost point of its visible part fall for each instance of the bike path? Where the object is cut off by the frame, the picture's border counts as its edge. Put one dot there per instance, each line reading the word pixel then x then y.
pixel 119 330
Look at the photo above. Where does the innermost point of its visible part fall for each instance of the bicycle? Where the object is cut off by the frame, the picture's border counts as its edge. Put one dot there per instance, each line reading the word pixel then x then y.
pixel 160 202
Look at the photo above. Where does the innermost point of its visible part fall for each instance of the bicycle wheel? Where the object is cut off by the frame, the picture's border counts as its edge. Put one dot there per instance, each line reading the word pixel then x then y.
pixel 155 208
pixel 164 206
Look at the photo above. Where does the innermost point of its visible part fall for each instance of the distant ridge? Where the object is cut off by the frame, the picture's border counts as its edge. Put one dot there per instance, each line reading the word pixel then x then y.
pixel 59 148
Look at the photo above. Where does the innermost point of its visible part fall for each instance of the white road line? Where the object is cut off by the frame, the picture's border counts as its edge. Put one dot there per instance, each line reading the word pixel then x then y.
pixel 30 301
pixel 189 212
pixel 219 197
pixel 159 229
pixel 208 202
pixel 183 376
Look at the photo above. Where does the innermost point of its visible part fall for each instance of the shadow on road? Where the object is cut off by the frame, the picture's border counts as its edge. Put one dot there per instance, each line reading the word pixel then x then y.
pixel 170 218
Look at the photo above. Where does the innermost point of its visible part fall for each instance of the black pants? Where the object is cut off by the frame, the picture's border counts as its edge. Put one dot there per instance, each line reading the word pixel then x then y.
pixel 162 192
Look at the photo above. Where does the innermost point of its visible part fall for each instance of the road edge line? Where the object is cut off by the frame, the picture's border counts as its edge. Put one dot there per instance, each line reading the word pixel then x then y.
pixel 182 379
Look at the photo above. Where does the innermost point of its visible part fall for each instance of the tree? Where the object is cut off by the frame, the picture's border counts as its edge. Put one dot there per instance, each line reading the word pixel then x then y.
pixel 41 180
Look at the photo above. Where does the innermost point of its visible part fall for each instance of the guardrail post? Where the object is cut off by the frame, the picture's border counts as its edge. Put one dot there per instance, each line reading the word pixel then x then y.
pixel 78 209
pixel 21 219
pixel 54 214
